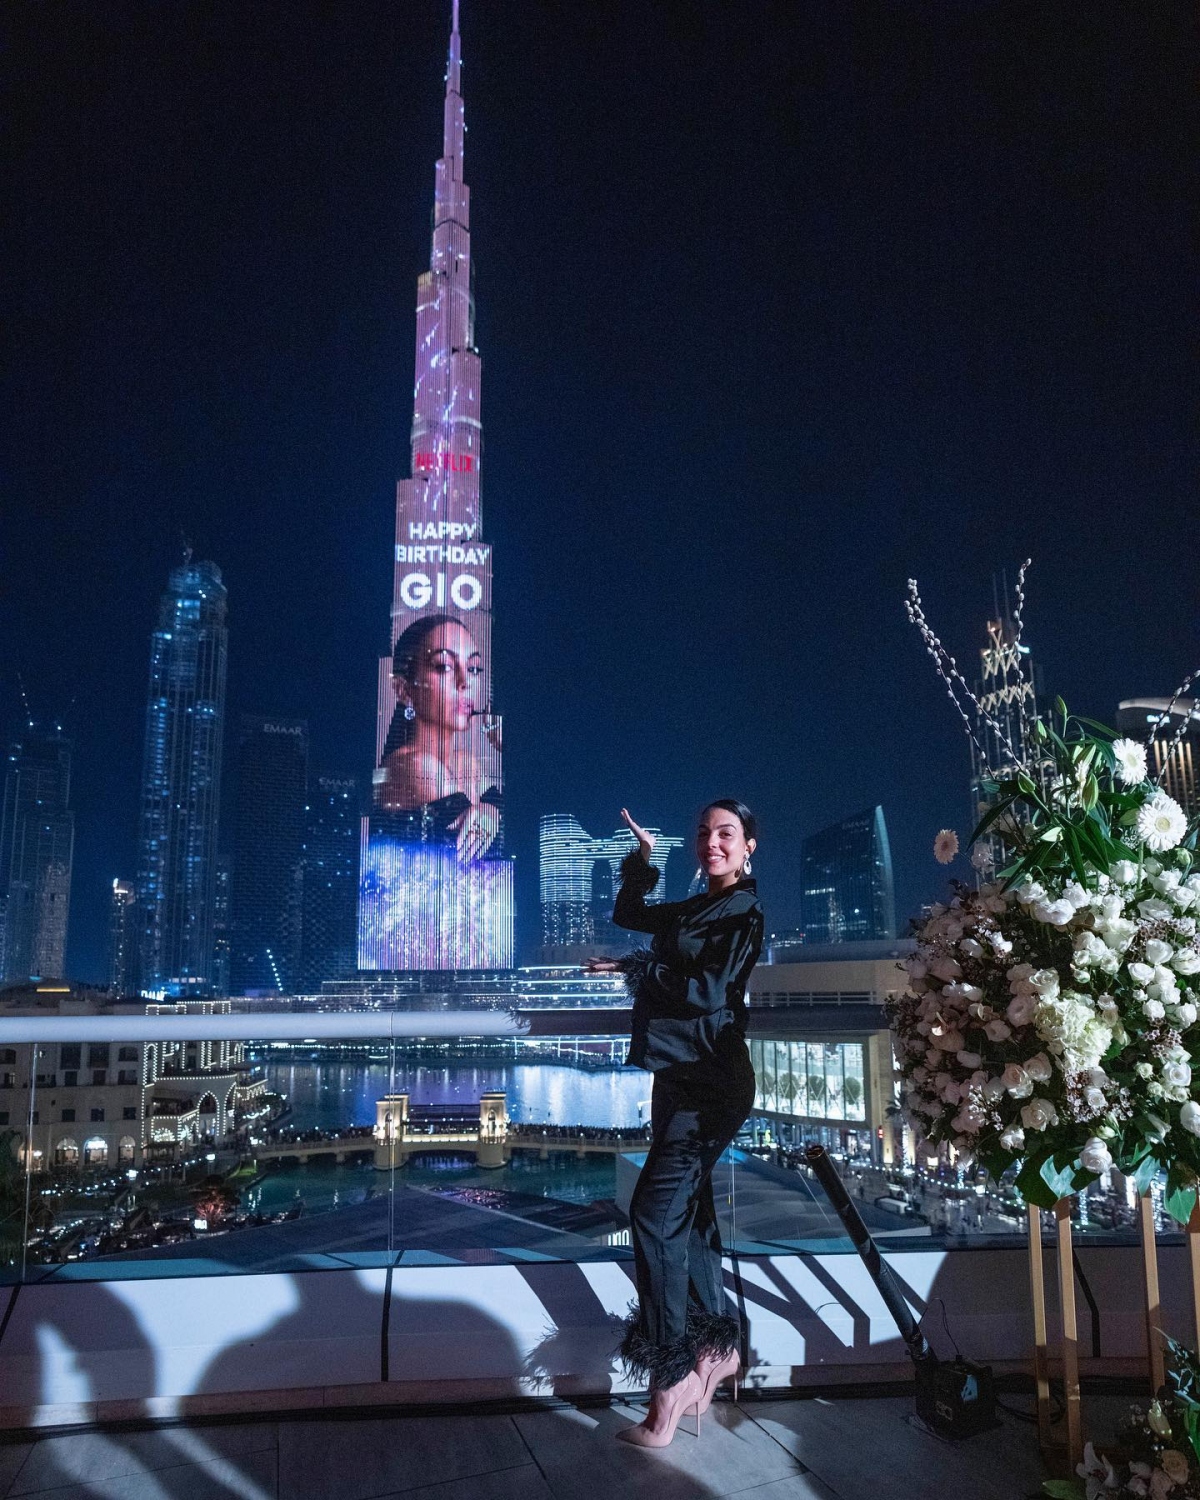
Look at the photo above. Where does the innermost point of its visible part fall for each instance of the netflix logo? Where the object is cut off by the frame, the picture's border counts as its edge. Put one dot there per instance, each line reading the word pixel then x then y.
pixel 456 463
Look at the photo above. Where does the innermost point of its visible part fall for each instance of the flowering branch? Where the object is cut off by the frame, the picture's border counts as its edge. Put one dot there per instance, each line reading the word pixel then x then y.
pixel 1181 731
pixel 948 671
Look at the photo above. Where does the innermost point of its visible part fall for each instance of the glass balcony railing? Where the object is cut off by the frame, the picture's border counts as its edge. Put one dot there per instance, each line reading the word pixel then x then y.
pixel 230 1137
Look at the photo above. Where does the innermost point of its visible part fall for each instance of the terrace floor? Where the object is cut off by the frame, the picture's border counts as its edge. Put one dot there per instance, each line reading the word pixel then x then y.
pixel 848 1448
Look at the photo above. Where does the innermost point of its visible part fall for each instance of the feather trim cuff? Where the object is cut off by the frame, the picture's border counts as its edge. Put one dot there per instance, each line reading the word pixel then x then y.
pixel 651 1364
pixel 714 1334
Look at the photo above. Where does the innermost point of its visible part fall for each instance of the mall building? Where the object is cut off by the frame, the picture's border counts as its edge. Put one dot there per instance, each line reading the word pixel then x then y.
pixel 822 1052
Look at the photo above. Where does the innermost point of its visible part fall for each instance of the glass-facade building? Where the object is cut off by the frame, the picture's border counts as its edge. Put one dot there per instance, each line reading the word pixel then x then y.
pixel 848 893
pixel 181 783
pixel 37 841
pixel 436 885
pixel 332 844
pixel 578 875
pixel 122 932
pixel 268 853
pixel 1177 767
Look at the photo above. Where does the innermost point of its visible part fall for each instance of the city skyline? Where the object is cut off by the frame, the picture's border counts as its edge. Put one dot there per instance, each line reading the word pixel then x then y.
pixel 666 466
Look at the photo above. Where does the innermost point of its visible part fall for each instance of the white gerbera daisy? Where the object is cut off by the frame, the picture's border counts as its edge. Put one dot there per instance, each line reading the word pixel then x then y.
pixel 1161 823
pixel 1130 765
pixel 945 846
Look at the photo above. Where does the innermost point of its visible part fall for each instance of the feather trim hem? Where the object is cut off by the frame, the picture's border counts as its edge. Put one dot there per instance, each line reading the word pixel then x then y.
pixel 651 1364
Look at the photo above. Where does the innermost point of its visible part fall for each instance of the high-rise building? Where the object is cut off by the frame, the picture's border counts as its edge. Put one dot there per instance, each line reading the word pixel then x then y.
pixel 578 875
pixel 436 889
pixel 332 851
pixel 222 926
pixel 268 849
pixel 181 783
pixel 37 840
pixel 847 893
pixel 122 939
pixel 1175 752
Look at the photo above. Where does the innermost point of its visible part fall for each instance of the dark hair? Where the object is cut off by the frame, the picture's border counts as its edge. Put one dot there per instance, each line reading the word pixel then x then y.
pixel 406 654
pixel 409 642
pixel 740 811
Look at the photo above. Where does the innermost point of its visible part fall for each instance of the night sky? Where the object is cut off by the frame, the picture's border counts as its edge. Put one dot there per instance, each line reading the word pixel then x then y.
pixel 778 304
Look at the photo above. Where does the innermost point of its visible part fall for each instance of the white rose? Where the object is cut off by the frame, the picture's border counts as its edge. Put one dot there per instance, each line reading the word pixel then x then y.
pixel 1095 1156
pixel 1177 1075
pixel 1038 1114
pixel 993 1089
pixel 1012 1139
pixel 1155 909
pixel 1124 871
pixel 1119 934
pixel 1141 973
pixel 969 1059
pixel 1029 891
pixel 1039 1068
pixel 945 968
pixel 971 947
pixel 1110 908
pixel 967 1121
pixel 1183 897
pixel 1021 1010
pixel 1187 1014
pixel 1076 894
pixel 1045 981
pixel 1094 1099
pixel 1154 1010
pixel 1053 913
pixel 1144 1070
pixel 1016 1081
pixel 1019 971
pixel 1189 1117
pixel 1186 961
pixel 1158 952
pixel 998 1030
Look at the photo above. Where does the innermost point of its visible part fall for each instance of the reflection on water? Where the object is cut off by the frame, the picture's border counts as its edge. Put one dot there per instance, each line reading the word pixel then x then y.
pixel 330 1095
pixel 323 1184
pixel 333 1095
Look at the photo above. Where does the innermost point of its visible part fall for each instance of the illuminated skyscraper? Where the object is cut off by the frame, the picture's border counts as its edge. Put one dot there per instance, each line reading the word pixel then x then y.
pixel 847 893
pixel 37 840
pixel 268 848
pixel 578 874
pixel 1137 718
pixel 181 783
pixel 436 888
pixel 332 847
pixel 122 939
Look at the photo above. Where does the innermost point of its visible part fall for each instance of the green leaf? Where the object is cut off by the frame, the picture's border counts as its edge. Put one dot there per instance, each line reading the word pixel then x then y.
pixel 1064 1489
pixel 1146 1173
pixel 1095 724
pixel 1180 1196
pixel 1058 1173
pixel 1060 708
pixel 1032 1185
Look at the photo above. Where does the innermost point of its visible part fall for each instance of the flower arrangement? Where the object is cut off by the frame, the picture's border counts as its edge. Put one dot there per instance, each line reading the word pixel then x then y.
pixel 1050 1017
pixel 1160 1448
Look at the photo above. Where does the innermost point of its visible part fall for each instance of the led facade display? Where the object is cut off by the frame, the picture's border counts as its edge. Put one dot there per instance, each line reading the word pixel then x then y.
pixel 812 1080
pixel 436 887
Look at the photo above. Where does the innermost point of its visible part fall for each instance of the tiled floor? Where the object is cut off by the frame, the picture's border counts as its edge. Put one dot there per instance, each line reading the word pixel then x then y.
pixel 814 1449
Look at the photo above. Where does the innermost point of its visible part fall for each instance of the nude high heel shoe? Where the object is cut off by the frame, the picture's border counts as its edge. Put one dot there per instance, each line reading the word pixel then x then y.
pixel 710 1377
pixel 666 1408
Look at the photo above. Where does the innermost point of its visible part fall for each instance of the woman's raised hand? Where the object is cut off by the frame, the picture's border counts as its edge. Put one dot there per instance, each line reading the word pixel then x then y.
pixel 645 840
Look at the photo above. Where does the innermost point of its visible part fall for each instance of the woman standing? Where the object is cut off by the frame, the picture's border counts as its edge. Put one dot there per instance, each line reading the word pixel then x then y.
pixel 689 1030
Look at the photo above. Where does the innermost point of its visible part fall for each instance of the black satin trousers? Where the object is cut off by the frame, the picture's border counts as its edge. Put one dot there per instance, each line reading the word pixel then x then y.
pixel 696 1110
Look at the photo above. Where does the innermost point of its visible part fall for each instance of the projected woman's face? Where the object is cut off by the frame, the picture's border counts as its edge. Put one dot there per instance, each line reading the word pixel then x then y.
pixel 447 677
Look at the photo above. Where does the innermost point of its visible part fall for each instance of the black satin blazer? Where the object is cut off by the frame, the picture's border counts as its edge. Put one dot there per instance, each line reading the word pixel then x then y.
pixel 689 986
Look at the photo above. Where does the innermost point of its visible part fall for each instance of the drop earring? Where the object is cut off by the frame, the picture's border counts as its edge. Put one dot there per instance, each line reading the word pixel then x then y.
pixel 410 712
pixel 746 865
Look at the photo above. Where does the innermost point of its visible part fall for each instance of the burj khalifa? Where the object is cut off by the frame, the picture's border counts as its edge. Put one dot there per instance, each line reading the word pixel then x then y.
pixel 436 887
